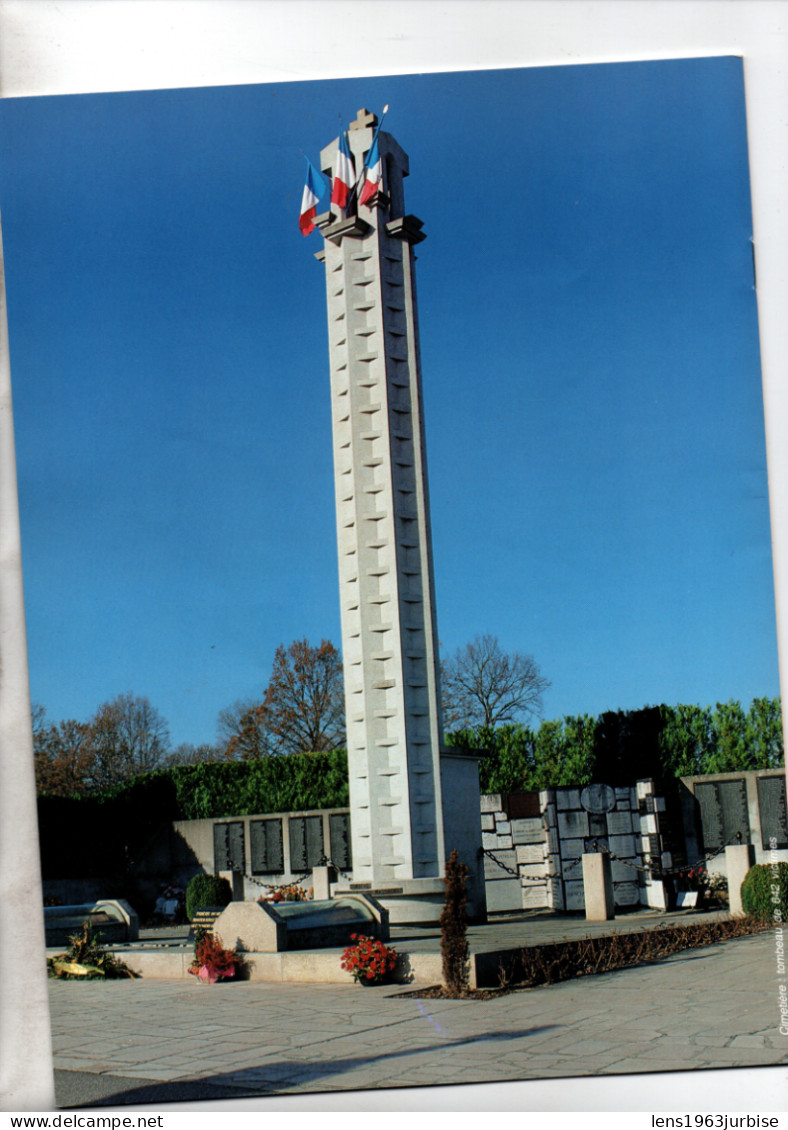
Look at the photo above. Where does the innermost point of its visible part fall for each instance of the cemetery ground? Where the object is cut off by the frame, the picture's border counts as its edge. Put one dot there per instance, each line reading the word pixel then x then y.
pixel 156 1041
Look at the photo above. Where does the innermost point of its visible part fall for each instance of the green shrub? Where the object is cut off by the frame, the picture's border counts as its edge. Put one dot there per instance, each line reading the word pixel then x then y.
pixel 206 890
pixel 764 892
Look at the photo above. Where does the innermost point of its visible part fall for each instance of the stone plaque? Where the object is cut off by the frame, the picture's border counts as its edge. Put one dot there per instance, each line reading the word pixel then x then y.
pixel 266 847
pixel 626 893
pixel 527 831
pixel 572 824
pixel 339 840
pixel 306 842
pixel 204 918
pixel 597 824
pixel 774 817
pixel 228 847
pixel 619 823
pixel 598 799
pixel 723 812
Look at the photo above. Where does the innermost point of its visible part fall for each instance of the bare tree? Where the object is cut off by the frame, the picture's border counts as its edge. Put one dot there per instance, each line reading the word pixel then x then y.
pixel 64 757
pixel 129 737
pixel 189 754
pixel 482 685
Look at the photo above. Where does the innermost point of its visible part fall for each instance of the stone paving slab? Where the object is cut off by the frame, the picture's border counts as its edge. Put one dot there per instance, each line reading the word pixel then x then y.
pixel 715 1007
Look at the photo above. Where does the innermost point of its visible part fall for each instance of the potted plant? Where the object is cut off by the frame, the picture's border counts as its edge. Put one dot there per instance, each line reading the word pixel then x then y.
pixel 369 960
pixel 212 962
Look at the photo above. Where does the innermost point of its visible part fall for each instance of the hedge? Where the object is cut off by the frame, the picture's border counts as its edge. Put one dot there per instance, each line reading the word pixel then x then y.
pixel 105 833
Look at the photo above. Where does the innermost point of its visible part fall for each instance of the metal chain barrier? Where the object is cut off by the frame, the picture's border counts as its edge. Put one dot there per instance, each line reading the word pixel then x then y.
pixel 324 861
pixel 294 882
pixel 653 869
pixel 517 874
pixel 663 872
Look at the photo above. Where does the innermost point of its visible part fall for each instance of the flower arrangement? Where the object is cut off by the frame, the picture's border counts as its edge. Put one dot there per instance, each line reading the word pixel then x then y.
pixel 212 962
pixel 86 959
pixel 369 960
pixel 291 893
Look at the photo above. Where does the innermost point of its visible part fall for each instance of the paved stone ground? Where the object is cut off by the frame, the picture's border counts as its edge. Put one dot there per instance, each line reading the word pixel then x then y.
pixel 129 1042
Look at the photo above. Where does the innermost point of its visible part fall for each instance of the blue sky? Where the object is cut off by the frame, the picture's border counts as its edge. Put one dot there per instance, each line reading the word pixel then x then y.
pixel 590 363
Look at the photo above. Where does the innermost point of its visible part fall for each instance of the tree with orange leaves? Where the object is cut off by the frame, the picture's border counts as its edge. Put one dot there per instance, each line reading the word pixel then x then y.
pixel 304 704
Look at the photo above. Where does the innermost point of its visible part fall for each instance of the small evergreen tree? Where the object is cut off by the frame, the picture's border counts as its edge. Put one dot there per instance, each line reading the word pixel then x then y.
pixel 454 925
pixel 764 892
pixel 206 890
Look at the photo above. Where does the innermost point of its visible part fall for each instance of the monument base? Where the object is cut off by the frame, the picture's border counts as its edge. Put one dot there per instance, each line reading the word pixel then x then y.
pixel 408 901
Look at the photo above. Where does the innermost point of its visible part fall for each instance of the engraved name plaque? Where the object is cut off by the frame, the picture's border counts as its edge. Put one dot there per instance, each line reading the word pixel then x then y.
pixel 774 817
pixel 266 847
pixel 306 842
pixel 723 812
pixel 228 847
pixel 339 839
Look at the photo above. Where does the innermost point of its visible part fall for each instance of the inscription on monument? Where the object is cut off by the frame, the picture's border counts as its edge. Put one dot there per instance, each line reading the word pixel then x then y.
pixel 339 839
pixel 204 918
pixel 266 846
pixel 306 842
pixel 228 847
pixel 723 812
pixel 774 816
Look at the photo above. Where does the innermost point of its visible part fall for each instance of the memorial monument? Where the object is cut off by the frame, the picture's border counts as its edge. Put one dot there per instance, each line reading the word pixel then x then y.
pixel 411 801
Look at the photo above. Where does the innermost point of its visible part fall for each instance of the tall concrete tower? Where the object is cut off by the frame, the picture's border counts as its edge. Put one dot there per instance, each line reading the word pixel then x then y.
pixel 389 636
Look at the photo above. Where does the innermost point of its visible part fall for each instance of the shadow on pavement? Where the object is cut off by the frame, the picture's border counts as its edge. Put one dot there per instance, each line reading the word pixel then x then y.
pixel 78 1089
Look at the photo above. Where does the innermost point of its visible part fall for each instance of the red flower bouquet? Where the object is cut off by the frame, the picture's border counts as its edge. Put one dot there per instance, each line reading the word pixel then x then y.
pixel 369 960
pixel 212 962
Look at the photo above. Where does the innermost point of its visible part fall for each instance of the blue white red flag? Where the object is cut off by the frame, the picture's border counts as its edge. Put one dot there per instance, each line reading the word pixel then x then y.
pixel 314 190
pixel 344 174
pixel 373 178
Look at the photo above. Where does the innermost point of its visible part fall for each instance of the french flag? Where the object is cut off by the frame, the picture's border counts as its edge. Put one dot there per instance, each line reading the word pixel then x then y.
pixel 373 179
pixel 344 174
pixel 314 190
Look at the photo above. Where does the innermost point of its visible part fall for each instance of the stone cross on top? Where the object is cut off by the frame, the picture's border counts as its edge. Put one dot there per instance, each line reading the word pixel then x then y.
pixel 364 120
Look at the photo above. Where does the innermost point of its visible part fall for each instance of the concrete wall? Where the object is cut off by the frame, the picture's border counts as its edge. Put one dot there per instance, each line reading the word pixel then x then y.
pixel 531 862
pixel 197 845
pixel 535 862
pixel 755 819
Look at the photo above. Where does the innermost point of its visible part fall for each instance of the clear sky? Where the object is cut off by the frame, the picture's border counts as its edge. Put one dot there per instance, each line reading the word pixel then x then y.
pixel 590 364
